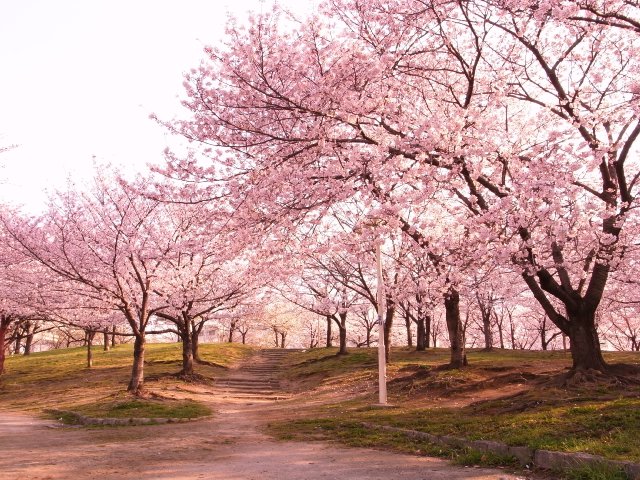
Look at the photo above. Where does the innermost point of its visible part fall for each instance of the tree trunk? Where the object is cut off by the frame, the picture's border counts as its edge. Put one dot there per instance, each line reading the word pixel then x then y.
pixel 89 335
pixel 28 344
pixel 3 334
pixel 187 354
pixel 244 337
pixel 343 341
pixel 421 334
pixel 195 342
pixel 342 330
pixel 454 327
pixel 105 339
pixel 488 333
pixel 233 326
pixel 501 335
pixel 368 336
pixel 137 371
pixel 407 324
pixel 283 336
pixel 388 323
pixel 584 343
pixel 329 340
pixel 16 347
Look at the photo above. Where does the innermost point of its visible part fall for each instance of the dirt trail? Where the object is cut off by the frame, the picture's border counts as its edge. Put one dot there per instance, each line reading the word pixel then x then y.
pixel 228 446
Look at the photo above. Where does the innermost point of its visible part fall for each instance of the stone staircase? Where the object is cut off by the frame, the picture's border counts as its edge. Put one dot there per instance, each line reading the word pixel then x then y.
pixel 257 378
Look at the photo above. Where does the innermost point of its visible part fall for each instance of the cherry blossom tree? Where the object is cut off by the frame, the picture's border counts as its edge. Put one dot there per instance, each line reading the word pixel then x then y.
pixel 109 243
pixel 20 283
pixel 205 272
pixel 520 120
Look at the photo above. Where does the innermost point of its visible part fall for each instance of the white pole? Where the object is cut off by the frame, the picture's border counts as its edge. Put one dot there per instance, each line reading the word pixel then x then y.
pixel 382 306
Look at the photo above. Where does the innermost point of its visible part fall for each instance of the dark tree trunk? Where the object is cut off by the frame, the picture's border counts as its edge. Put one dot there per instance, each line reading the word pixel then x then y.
pixel 195 341
pixel 342 330
pixel 113 336
pixel 454 327
pixel 283 336
pixel 187 354
pixel 3 335
pixel 18 343
pixel 329 340
pixel 407 324
pixel 388 323
pixel 343 341
pixel 244 337
pixel 488 333
pixel 368 340
pixel 501 335
pixel 584 343
pixel 105 339
pixel 89 336
pixel 421 335
pixel 28 344
pixel 427 331
pixel 137 371
pixel 233 326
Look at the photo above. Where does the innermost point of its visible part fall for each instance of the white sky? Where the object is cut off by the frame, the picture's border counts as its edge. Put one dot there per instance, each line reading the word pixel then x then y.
pixel 79 78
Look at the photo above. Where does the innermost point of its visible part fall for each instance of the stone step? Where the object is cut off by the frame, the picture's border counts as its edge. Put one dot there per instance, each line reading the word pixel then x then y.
pixel 248 388
pixel 243 394
pixel 242 379
pixel 248 381
pixel 256 397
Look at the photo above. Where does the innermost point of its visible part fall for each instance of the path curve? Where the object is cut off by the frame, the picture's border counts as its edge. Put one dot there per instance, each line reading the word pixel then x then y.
pixel 228 446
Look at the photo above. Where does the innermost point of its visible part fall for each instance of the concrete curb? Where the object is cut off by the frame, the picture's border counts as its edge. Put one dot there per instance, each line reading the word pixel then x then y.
pixel 526 456
pixel 83 420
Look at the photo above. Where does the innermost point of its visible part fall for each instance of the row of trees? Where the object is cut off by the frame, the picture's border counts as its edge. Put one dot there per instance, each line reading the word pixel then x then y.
pixel 487 146
pixel 498 136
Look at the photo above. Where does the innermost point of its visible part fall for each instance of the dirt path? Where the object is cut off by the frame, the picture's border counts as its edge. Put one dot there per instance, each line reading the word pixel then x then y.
pixel 228 446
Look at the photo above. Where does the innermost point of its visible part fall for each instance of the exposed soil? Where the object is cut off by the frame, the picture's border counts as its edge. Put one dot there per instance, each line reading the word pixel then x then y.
pixel 227 446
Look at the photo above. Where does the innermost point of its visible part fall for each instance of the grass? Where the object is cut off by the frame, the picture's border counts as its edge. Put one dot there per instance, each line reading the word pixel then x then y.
pixel 515 397
pixel 469 457
pixel 59 379
pixel 144 408
pixel 595 472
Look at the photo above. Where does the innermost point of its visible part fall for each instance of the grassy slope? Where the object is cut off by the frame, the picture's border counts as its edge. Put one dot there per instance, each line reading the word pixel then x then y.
pixel 513 397
pixel 59 379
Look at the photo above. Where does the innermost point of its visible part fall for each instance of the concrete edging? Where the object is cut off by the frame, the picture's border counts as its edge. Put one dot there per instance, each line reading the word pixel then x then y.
pixel 84 420
pixel 545 459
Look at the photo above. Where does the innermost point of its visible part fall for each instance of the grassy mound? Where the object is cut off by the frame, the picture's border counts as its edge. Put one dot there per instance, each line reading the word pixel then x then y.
pixel 514 397
pixel 59 379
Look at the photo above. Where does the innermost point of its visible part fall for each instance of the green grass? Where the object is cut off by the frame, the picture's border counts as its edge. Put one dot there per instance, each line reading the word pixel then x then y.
pixel 468 457
pixel 144 408
pixel 595 472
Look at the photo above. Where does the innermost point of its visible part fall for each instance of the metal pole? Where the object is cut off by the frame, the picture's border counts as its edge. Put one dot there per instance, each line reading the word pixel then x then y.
pixel 382 306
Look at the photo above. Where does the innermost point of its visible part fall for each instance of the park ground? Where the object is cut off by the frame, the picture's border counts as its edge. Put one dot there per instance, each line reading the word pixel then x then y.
pixel 300 414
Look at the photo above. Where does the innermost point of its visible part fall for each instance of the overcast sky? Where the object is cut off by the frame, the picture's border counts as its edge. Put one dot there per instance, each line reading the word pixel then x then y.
pixel 79 79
